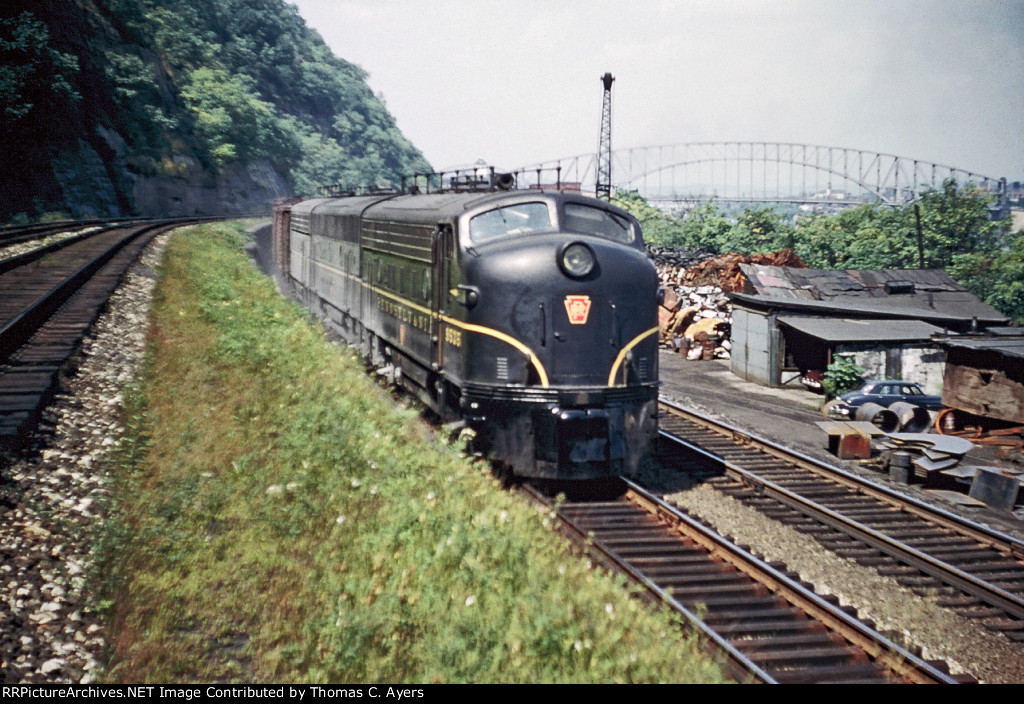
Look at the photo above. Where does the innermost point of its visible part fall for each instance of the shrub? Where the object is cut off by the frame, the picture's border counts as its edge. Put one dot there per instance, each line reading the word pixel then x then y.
pixel 842 375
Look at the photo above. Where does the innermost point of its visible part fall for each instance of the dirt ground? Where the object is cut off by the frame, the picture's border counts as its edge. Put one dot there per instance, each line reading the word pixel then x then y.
pixel 788 416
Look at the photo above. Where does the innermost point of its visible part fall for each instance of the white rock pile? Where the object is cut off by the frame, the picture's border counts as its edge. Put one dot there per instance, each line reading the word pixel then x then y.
pixel 695 320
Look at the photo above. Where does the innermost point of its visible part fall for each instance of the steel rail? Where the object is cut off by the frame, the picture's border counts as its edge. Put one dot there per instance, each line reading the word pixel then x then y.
pixel 888 655
pixel 17 330
pixel 981 533
pixel 14 262
pixel 739 664
pixel 899 660
pixel 939 569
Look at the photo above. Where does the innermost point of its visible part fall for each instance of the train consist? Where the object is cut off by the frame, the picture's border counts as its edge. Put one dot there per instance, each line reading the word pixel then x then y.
pixel 528 314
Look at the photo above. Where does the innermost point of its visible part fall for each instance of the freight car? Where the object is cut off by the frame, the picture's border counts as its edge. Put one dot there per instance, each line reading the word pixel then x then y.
pixel 528 314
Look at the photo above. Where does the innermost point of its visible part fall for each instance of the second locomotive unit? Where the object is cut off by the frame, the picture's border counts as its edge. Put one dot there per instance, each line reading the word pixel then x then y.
pixel 529 314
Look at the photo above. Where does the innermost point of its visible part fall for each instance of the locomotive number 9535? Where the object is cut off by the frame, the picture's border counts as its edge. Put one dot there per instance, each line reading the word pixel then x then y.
pixel 529 314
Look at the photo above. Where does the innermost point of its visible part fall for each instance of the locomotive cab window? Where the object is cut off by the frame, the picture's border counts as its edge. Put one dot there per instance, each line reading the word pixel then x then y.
pixel 600 223
pixel 510 220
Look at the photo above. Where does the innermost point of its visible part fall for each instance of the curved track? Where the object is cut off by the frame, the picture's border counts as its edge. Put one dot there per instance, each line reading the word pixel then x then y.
pixel 51 297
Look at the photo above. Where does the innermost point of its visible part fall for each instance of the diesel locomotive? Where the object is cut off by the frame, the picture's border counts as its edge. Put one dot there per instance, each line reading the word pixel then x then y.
pixel 528 314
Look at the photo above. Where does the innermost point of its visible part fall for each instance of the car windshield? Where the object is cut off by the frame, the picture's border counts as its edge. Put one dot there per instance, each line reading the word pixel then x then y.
pixel 595 221
pixel 510 220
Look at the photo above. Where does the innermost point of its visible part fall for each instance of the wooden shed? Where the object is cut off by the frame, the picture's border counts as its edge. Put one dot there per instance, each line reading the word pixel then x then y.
pixel 985 376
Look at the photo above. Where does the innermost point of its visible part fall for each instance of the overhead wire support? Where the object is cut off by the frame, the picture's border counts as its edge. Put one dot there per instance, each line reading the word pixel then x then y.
pixel 604 147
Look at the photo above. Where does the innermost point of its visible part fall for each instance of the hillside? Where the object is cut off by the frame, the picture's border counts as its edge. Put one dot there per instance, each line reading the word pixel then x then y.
pixel 116 107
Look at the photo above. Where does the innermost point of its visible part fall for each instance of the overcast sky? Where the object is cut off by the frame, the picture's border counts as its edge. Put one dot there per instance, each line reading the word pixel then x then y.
pixel 514 82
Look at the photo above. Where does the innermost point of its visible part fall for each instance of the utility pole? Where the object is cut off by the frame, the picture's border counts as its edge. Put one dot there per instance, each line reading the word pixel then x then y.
pixel 604 147
pixel 920 237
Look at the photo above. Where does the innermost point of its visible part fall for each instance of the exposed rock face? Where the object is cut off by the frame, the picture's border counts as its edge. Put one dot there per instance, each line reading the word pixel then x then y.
pixel 94 187
pixel 239 190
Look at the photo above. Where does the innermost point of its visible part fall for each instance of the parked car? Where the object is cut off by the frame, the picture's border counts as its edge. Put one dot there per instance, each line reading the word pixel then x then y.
pixel 884 392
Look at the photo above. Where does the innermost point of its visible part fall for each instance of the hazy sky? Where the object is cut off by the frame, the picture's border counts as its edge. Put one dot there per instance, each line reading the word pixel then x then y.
pixel 515 82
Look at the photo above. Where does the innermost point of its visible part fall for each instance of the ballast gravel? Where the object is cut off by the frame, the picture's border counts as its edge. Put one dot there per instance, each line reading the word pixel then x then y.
pixel 52 499
pixel 909 619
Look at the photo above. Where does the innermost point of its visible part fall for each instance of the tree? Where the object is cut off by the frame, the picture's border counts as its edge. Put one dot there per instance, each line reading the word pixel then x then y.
pixel 705 227
pixel 821 241
pixel 996 276
pixel 659 228
pixel 954 221
pixel 759 229
pixel 31 71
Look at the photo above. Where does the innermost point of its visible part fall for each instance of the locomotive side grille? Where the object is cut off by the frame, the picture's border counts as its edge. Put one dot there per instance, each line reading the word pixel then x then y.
pixel 300 223
pixel 407 240
pixel 502 372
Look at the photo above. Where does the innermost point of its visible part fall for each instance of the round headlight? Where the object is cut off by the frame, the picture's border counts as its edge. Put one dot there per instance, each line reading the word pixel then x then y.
pixel 578 260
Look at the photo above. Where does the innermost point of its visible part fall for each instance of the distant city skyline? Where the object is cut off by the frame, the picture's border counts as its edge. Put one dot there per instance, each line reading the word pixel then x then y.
pixel 513 83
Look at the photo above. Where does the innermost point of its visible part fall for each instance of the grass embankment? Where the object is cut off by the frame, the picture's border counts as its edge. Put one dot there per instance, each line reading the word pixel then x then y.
pixel 278 519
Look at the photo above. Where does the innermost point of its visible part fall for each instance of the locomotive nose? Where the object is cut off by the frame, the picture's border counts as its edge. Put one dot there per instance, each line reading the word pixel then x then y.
pixel 576 303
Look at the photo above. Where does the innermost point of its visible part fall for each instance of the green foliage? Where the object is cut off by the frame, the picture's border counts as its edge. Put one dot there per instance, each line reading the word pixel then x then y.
pixel 31 71
pixel 996 276
pixel 955 221
pixel 705 227
pixel 224 82
pixel 659 228
pixel 257 83
pixel 842 375
pixel 956 235
pixel 821 241
pixel 758 229
pixel 233 123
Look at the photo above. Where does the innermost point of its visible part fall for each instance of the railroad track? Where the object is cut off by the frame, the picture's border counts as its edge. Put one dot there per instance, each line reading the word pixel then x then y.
pixel 51 297
pixel 25 233
pixel 769 627
pixel 973 569
pixel 20 234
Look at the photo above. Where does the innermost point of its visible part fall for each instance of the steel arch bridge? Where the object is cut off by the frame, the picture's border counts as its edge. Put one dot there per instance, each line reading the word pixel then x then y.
pixel 690 173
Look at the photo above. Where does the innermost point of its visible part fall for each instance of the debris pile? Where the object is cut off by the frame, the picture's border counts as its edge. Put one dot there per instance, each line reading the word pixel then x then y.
pixel 724 270
pixel 696 316
pixel 929 452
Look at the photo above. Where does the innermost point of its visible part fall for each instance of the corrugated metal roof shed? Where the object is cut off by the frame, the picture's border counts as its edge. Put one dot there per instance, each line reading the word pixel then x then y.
pixel 823 284
pixel 930 294
pixel 956 310
pixel 860 330
pixel 1013 331
pixel 1008 347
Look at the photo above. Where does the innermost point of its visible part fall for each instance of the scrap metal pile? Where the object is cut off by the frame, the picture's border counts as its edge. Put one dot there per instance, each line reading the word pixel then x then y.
pixel 696 315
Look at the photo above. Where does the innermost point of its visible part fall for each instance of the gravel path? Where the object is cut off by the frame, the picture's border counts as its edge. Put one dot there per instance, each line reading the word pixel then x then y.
pixel 51 499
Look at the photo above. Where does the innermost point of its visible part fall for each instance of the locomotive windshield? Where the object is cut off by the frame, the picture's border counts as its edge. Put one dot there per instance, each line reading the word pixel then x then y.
pixel 510 220
pixel 594 221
